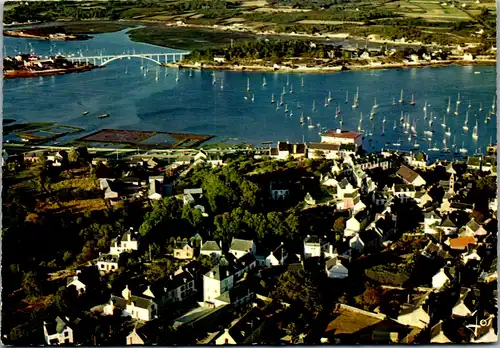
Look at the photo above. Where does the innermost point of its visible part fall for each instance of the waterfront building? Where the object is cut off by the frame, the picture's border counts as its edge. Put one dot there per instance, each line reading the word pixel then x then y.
pixel 343 137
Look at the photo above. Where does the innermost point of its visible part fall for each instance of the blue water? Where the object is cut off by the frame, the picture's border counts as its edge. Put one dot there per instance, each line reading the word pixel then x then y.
pixel 195 105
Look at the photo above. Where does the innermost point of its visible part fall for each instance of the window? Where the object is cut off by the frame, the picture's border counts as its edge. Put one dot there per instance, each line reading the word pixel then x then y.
pixel 102 265
pixel 177 253
pixel 66 333
pixel 226 341
pixel 112 266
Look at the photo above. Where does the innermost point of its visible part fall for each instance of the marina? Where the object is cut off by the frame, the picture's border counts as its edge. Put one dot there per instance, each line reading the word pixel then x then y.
pixel 240 105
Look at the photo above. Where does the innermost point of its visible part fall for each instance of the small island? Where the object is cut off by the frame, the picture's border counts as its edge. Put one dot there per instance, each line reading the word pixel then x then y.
pixel 45 34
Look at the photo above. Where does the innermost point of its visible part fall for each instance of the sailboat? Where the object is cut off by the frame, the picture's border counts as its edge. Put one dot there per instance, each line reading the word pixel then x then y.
pixel 337 112
pixel 372 113
pixel 277 107
pixel 341 122
pixel 466 123
pixel 458 99
pixel 264 83
pixel 394 125
pixel 475 132
pixel 291 89
pixel 177 77
pixel 393 101
pixel 434 148
pixel 355 104
pixel 448 109
pixel 480 106
pixel 287 80
pixel 401 119
pixel 492 112
pixel 383 129
pixel 291 113
pixel 253 97
pixel 425 106
pixel 314 105
pixel 448 132
pixel 444 121
pixel 456 111
pixel 375 105
pixel 431 121
pixel 214 80
pixel 301 121
pixel 286 108
pixel 222 84
pixel 412 100
pixel 166 71
pixel 360 122
pixel 463 149
pixel 401 97
pixel 445 148
pixel 470 105
pixel 272 98
pixel 326 102
pixel 248 84
pixel 284 91
pixel 346 97
pixel 310 125
pixel 190 73
pixel 142 63
pixel 302 82
pixel 329 96
pixel 281 100
pixel 126 69
pixel 298 105
pixel 156 78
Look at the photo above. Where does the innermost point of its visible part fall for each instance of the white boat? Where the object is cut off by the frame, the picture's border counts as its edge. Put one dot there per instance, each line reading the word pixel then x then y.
pixel 416 144
pixel 356 98
pixel 434 148
pixel 329 96
pixel 466 123
pixel 222 84
pixel 470 105
pixel 481 106
pixel 214 80
pixel 425 106
pixel 156 78
pixel 291 89
pixel 177 77
pixel 492 112
pixel 287 80
pixel 291 114
pixel 394 102
pixel 281 100
pixel 360 122
pixel 383 129
pixel 463 149
pixel 428 132
pixel 412 100
pixel 341 121
pixel 310 125
pixel 302 82
pixel 190 73
pixel 448 132
pixel 401 100
pixel 126 70
pixel 372 113
pixel 337 111
pixel 444 121
pixel 456 110
pixel 375 105
pixel 448 109
pixel 286 107
pixel 314 105
pixel 264 83
pixel 272 99
pixel 383 120
pixel 346 97
pixel 326 102
pixel 458 99
pixel 248 85
pixel 253 97
pixel 394 125
pixel 277 107
pixel 475 132
pixel 284 91
pixel 298 105
pixel 301 120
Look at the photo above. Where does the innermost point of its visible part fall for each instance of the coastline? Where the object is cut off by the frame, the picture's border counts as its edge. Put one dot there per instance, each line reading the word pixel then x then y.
pixel 17 74
pixel 438 64
pixel 64 37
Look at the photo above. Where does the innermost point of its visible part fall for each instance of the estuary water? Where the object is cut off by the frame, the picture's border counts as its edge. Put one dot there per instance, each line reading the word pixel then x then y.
pixel 172 100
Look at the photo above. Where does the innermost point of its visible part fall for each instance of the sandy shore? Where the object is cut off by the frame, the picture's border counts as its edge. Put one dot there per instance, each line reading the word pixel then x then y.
pixel 437 64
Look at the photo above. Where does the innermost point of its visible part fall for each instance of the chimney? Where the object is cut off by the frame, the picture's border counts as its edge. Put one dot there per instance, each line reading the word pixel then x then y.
pixel 331 249
pixel 228 274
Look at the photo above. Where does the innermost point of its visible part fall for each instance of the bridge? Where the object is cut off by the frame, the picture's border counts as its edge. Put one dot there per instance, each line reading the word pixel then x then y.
pixel 157 58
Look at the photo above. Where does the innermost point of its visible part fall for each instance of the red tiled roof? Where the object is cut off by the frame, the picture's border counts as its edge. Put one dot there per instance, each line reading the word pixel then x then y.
pixel 343 134
pixel 407 174
pixel 462 242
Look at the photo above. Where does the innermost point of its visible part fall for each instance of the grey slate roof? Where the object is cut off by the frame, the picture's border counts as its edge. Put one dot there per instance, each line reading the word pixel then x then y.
pixel 448 223
pixel 141 302
pixel 473 225
pixel 241 244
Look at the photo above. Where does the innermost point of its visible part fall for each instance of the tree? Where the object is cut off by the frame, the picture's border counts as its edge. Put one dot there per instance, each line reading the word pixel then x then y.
pixel 370 298
pixel 300 288
pixel 73 156
pixel 339 226
pixel 30 284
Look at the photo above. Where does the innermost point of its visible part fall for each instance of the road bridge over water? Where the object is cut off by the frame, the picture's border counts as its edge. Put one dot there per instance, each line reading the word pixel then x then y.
pixel 157 58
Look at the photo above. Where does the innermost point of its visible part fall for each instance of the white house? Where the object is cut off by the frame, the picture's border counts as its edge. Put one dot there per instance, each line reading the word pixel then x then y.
pixel 154 191
pixel 414 316
pixel 191 195
pixel 440 279
pixel 463 308
pixel 476 229
pixel 219 58
pixel 58 332
pixel 126 243
pixel 404 192
pixel 137 336
pixel 240 247
pixel 80 287
pixel 140 308
pixel 448 226
pixel 107 263
pixel 314 246
pixel 437 334
pixel 342 137
pixel 431 220
pixel 211 248
pixel 356 243
pixel 334 268
pixel 356 223
pixel 276 257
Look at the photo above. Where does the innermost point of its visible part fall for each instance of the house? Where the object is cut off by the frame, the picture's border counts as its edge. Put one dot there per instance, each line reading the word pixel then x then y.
pixel 219 58
pixel 333 267
pixel 461 243
pixel 473 163
pixel 211 248
pixel 422 198
pixel 352 201
pixel 126 243
pixel 457 206
pixel 441 278
pixel 328 151
pixel 431 220
pixel 110 191
pixel 378 198
pixel 404 192
pixel 57 158
pixel 314 246
pixel 137 307
pixel 410 177
pixel 351 325
pixel 309 199
pixel 80 287
pixel 279 190
pixel 178 287
pixel 493 204
pixel 433 251
pixel 107 263
pixel 437 334
pixel 475 229
pixel 139 335
pixel 240 247
pixel 448 226
pixel 342 137
pixel 154 191
pixel 235 297
pixel 276 257
pixel 356 243
pixel 192 195
pixel 465 304
pixel 58 332
pixel 470 256
pixel 413 314
pixel 246 329
pixel 295 150
pixel 356 223
pixel 344 187
pixel 328 180
pixel 183 250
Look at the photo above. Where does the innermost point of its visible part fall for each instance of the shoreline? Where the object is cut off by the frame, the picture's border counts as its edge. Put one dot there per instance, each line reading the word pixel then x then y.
pixel 64 37
pixel 20 74
pixel 332 69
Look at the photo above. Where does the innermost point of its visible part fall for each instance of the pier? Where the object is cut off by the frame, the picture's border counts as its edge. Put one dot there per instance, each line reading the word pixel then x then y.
pixel 158 58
